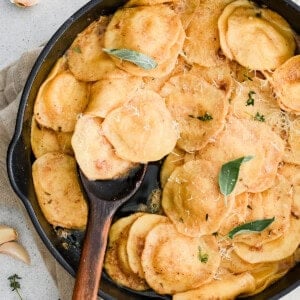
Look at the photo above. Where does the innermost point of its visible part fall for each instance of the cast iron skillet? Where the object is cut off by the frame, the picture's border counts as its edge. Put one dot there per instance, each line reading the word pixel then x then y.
pixel 19 158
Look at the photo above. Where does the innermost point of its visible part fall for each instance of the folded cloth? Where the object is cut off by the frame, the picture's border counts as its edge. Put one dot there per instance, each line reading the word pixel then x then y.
pixel 44 278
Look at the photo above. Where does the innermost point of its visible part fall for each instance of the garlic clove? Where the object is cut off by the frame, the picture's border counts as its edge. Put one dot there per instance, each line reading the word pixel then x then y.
pixel 7 234
pixel 15 250
pixel 24 3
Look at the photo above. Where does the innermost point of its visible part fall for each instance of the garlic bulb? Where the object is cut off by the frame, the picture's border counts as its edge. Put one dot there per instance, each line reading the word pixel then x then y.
pixel 24 3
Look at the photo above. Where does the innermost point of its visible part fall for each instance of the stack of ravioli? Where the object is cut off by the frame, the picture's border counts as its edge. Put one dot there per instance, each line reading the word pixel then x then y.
pixel 226 85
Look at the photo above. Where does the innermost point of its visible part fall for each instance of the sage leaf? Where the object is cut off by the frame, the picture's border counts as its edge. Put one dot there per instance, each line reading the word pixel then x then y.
pixel 254 226
pixel 229 174
pixel 137 58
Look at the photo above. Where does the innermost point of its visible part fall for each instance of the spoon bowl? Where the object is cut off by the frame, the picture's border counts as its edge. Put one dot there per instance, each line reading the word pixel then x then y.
pixel 105 197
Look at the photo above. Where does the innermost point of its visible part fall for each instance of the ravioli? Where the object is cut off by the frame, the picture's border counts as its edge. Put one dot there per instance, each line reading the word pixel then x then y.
pixel 199 108
pixel 86 59
pixel 292 150
pixel 176 158
pixel 253 99
pixel 277 249
pixel 142 129
pixel 228 287
pixel 192 200
pixel 108 94
pixel 136 240
pixel 242 24
pixel 268 273
pixel 140 29
pixel 275 202
pixel 112 261
pixel 165 247
pixel 94 154
pixel 286 83
pixel 58 192
pixel 60 99
pixel 243 138
pixel 202 42
pixel 44 140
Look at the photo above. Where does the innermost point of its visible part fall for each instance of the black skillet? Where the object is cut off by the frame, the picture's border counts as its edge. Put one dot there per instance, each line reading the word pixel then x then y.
pixel 20 158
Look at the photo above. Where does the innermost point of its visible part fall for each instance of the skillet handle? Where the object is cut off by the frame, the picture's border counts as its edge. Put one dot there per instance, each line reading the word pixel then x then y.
pixel 19 167
pixel 92 255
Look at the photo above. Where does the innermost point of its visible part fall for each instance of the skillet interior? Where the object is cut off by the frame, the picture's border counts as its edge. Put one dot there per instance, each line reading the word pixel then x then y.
pixel 20 157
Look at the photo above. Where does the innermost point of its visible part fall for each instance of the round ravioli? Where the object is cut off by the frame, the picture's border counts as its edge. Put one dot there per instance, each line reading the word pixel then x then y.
pixel 275 203
pixel 136 240
pixel 192 200
pixel 142 129
pixel 277 249
pixel 229 287
pixel 292 150
pixel 58 191
pixel 231 261
pixel 243 138
pixel 174 263
pixel 187 11
pixel 155 31
pixel 86 59
pixel 292 174
pixel 108 94
pixel 270 36
pixel 44 140
pixel 199 108
pixel 268 273
pixel 59 101
pixel 116 261
pixel 202 43
pixel 219 76
pixel 176 158
pixel 286 83
pixel 94 154
pixel 253 100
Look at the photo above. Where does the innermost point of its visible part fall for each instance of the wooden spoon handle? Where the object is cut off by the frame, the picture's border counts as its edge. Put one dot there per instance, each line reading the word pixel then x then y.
pixel 92 255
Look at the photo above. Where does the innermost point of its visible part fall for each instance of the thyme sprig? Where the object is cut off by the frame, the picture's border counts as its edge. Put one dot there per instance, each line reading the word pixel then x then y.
pixel 15 284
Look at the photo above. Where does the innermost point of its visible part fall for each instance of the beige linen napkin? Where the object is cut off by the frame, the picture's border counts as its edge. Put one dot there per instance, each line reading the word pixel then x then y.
pixel 44 278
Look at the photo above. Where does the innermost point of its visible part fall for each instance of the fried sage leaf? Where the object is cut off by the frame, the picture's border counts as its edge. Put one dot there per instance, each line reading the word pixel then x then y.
pixel 137 58
pixel 229 174
pixel 254 226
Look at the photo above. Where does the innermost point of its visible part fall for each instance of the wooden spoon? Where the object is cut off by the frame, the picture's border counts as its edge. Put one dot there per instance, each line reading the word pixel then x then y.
pixel 105 196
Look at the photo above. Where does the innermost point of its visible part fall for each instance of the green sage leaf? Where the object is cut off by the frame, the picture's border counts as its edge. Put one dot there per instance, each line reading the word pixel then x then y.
pixel 254 226
pixel 229 174
pixel 137 58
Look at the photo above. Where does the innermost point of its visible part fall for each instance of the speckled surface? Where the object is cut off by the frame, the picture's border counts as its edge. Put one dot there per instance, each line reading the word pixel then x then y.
pixel 21 30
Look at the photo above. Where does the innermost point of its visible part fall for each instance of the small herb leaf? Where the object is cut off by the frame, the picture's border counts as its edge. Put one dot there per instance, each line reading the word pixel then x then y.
pixel 76 49
pixel 229 174
pixel 259 117
pixel 137 58
pixel 203 257
pixel 205 117
pixel 254 226
pixel 250 100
